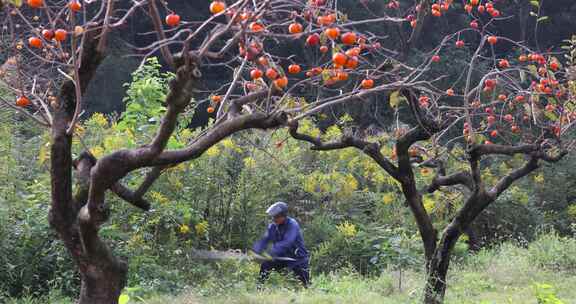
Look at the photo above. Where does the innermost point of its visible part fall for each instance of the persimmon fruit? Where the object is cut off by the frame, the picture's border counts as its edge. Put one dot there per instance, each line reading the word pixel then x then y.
pixel 349 38
pixel 333 33
pixel 22 101
pixel 75 6
pixel 294 69
pixel 173 20
pixel 217 7
pixel 256 73
pixel 35 42
pixel 35 3
pixel 367 84
pixel 60 35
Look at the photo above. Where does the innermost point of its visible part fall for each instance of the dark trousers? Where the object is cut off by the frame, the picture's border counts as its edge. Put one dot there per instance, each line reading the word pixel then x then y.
pixel 301 271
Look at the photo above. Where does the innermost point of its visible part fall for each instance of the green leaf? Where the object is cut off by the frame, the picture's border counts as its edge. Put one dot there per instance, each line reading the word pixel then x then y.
pixel 394 100
pixel 16 3
pixel 533 70
pixel 173 143
pixel 552 100
pixel 535 3
pixel 325 75
pixel 479 138
pixel 124 299
pixel 551 115
pixel 543 18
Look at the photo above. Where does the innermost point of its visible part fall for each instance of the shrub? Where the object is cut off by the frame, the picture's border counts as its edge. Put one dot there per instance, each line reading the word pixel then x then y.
pixel 545 294
pixel 554 252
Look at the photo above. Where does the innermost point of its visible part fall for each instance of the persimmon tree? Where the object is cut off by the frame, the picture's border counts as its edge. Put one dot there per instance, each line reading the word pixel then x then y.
pixel 55 48
pixel 514 110
pixel 521 131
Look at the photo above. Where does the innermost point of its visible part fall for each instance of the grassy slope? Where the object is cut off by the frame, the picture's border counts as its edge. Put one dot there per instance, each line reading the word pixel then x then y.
pixel 493 286
pixel 505 276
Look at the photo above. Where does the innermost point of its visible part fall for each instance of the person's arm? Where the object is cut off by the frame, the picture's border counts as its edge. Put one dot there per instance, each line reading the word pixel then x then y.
pixel 261 244
pixel 281 248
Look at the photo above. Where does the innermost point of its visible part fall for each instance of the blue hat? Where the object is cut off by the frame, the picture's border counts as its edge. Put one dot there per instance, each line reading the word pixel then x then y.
pixel 278 208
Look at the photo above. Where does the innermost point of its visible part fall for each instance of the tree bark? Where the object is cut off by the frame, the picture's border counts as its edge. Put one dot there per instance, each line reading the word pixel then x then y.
pixel 427 232
pixel 102 276
pixel 438 265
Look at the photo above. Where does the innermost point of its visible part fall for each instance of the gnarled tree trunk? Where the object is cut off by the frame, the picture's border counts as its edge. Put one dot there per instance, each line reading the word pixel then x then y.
pixel 102 275
pixel 437 267
pixel 438 264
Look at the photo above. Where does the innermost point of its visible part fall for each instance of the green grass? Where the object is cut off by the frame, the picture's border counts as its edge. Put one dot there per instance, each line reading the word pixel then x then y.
pixel 507 275
pixel 493 286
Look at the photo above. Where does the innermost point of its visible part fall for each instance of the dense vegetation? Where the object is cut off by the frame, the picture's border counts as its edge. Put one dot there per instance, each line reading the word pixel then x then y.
pixel 436 135
pixel 360 234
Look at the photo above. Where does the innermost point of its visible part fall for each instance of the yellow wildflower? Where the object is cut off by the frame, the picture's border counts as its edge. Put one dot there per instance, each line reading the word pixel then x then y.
pixel 249 162
pixel 333 132
pixel 539 179
pixel 347 229
pixel 388 198
pixel 228 143
pixel 349 185
pixel 99 119
pixel 519 195
pixel 79 130
pixel 159 197
pixel 201 228
pixel 112 143
pixel 428 203
pixel 184 229
pixel 44 153
pixel 310 184
pixel 186 135
pixel 214 151
pixel 97 151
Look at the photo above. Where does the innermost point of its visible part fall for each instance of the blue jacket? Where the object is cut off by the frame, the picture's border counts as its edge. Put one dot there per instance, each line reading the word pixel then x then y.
pixel 287 241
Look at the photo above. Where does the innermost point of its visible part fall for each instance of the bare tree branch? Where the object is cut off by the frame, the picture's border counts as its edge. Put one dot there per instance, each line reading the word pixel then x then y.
pixel 505 182
pixel 131 197
pixel 460 178
pixel 149 180
pixel 157 21
pixel 368 148
pixel 495 149
pixel 223 130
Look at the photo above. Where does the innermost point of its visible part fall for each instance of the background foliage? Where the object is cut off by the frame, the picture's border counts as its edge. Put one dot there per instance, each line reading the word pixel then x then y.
pixel 355 222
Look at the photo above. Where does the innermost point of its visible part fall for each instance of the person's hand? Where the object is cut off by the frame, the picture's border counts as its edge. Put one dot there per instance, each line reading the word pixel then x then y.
pixel 267 256
pixel 264 257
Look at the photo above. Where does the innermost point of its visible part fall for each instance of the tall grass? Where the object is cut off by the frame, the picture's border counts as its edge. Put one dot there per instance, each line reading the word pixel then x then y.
pixel 507 274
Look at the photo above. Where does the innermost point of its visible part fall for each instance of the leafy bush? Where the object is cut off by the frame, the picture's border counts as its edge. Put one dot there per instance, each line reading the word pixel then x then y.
pixel 368 250
pixel 545 294
pixel 554 252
